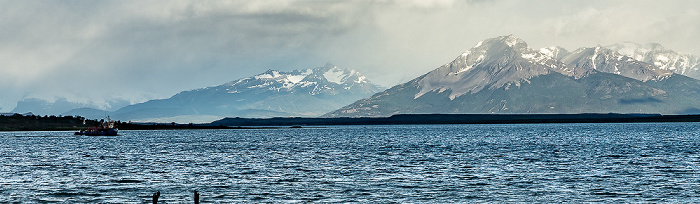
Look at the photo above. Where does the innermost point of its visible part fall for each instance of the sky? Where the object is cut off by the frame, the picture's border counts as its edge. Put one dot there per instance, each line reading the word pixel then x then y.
pixel 98 51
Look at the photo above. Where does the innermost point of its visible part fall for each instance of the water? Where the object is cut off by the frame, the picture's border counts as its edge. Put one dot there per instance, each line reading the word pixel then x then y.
pixel 547 163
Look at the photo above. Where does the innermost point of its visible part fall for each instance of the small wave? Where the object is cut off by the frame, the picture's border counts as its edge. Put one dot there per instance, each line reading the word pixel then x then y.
pixel 288 180
pixel 128 181
pixel 73 194
pixel 614 156
pixel 249 172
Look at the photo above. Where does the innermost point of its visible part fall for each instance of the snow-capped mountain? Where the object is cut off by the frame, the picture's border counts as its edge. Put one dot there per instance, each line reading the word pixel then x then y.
pixel 503 75
pixel 323 81
pixel 307 92
pixel 660 57
pixel 490 64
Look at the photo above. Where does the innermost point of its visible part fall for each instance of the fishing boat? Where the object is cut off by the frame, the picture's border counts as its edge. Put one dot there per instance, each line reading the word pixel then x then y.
pixel 106 128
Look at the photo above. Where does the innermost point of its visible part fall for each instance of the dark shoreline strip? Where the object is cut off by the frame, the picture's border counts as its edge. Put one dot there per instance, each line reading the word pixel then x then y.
pixel 415 119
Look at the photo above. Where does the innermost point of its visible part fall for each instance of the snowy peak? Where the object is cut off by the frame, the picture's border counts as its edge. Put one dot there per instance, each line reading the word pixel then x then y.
pixel 636 50
pixel 554 52
pixel 498 50
pixel 507 48
pixel 606 60
pixel 343 76
pixel 327 73
pixel 660 57
pixel 510 41
pixel 492 63
pixel 290 77
pixel 499 45
pixel 327 80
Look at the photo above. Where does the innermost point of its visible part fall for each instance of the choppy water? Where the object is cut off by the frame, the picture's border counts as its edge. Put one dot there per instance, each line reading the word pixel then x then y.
pixel 408 164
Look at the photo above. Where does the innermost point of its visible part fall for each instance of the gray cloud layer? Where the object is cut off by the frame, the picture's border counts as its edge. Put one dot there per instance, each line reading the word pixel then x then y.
pixel 92 51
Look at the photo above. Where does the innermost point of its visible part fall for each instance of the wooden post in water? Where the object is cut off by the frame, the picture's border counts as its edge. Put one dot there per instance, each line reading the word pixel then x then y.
pixel 155 197
pixel 196 197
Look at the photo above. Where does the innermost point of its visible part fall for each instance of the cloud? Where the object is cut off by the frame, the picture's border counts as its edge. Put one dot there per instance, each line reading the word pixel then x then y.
pixel 639 21
pixel 139 50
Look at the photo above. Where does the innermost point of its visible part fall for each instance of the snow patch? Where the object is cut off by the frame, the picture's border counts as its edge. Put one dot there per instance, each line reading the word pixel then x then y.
pixel 361 79
pixel 628 51
pixel 547 52
pixel 307 72
pixel 464 69
pixel 530 56
pixel 662 58
pixel 264 76
pixel 453 96
pixel 272 75
pixel 296 78
pixel 479 44
pixel 511 41
pixel 470 66
pixel 335 75
pixel 595 55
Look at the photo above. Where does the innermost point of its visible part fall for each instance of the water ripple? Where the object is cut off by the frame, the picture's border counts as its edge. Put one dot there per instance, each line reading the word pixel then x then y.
pixel 387 164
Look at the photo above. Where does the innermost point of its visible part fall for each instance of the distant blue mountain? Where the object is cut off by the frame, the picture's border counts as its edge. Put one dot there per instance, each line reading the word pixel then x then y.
pixel 63 106
pixel 307 92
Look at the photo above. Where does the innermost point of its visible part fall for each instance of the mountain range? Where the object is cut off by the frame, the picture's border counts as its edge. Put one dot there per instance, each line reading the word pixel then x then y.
pixel 504 75
pixel 497 75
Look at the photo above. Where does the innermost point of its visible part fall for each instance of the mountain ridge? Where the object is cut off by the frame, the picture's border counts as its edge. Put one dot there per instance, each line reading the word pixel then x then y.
pixel 659 56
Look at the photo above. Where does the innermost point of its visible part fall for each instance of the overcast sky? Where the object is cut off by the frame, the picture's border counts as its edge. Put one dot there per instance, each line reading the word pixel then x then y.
pixel 94 51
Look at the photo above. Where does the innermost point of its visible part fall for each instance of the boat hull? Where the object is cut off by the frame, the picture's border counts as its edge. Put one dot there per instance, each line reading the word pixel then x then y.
pixel 107 132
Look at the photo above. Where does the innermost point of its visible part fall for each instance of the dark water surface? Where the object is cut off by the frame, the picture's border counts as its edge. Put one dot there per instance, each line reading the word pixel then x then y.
pixel 546 163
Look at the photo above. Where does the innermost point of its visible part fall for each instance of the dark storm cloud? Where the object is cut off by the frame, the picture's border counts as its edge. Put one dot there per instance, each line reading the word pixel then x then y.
pixel 137 49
